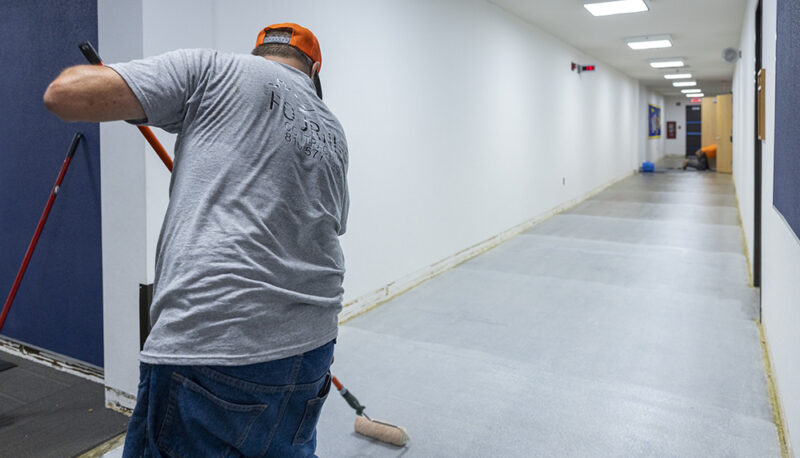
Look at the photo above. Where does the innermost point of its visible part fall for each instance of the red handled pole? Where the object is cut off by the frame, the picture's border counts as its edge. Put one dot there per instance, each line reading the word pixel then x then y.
pixel 25 261
pixel 91 55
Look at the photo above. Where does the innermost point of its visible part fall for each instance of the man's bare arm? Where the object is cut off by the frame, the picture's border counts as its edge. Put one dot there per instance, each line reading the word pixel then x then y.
pixel 92 93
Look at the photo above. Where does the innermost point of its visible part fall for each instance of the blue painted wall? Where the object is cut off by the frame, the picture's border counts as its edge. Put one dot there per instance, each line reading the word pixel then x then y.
pixel 786 185
pixel 59 306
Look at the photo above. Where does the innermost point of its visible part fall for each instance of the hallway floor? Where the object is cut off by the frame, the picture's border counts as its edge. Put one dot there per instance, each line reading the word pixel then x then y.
pixel 622 327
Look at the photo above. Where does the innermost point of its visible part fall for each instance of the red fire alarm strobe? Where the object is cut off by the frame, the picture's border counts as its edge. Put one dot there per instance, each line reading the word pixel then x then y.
pixel 582 68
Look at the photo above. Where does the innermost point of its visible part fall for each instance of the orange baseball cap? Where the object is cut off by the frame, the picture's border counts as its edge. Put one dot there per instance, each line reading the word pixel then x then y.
pixel 301 38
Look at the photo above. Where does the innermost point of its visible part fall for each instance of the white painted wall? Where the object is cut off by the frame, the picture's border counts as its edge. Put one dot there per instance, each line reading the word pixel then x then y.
pixel 744 122
pixel 134 180
pixel 650 149
pixel 462 120
pixel 780 288
pixel 451 147
pixel 677 145
pixel 123 206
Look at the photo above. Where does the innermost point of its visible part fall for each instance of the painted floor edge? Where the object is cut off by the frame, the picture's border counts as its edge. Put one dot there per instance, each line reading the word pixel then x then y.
pixel 380 296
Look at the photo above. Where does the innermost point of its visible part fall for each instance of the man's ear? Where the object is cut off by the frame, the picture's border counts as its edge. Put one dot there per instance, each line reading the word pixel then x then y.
pixel 315 78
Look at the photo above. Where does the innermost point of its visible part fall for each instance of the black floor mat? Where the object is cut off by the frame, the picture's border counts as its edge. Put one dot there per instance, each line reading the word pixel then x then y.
pixel 49 413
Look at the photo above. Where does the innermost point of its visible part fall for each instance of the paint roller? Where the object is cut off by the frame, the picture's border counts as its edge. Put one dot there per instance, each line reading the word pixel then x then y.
pixel 366 426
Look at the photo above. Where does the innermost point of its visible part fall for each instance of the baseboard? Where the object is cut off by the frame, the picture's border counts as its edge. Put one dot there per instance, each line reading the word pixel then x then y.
pixel 115 400
pixel 107 446
pixel 774 396
pixel 750 281
pixel 393 289
pixel 120 401
pixel 54 360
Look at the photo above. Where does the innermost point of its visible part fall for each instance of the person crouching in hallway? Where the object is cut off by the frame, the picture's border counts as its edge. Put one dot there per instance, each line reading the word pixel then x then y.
pixel 700 161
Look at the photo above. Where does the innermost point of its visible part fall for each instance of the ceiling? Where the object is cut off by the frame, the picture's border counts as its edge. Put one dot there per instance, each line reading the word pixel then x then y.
pixel 700 30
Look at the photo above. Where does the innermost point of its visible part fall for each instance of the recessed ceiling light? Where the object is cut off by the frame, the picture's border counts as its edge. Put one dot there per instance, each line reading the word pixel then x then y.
pixel 689 91
pixel 684 83
pixel 607 8
pixel 695 94
pixel 667 63
pixel 653 42
pixel 677 76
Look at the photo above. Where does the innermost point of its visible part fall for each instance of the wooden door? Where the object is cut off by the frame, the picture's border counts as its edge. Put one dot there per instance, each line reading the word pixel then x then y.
pixel 724 133
pixel 709 121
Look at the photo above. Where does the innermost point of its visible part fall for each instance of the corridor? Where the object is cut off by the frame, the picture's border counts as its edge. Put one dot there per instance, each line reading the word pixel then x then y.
pixel 621 327
pixel 480 222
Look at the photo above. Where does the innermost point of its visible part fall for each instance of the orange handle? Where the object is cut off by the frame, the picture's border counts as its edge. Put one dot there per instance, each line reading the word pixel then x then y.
pixel 91 55
pixel 159 149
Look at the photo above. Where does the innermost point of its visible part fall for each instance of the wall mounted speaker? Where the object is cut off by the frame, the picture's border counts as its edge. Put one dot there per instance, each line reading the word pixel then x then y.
pixel 731 55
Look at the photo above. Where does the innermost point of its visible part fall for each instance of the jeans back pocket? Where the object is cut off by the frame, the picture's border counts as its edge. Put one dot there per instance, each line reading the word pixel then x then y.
pixel 199 423
pixel 308 425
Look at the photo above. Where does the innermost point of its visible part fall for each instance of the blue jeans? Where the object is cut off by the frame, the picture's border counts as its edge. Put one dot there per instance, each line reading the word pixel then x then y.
pixel 260 410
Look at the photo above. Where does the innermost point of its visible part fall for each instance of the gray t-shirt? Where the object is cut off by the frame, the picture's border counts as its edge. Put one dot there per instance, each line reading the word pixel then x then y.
pixel 248 265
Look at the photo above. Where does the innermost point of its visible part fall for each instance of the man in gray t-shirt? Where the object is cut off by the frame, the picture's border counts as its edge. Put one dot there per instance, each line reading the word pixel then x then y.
pixel 249 269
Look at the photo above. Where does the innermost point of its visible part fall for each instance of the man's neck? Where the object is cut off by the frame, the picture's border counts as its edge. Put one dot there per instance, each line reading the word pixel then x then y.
pixel 288 61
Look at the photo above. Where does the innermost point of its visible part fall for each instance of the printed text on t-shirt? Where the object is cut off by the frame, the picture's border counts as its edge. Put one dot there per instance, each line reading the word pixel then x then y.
pixel 305 133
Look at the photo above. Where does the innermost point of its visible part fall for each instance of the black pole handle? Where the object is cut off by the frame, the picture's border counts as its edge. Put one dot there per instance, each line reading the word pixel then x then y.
pixel 90 53
pixel 348 396
pixel 74 145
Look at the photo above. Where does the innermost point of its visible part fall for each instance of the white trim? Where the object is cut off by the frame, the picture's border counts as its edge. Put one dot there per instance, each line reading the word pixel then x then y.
pixel 393 289
pixel 53 360
pixel 120 401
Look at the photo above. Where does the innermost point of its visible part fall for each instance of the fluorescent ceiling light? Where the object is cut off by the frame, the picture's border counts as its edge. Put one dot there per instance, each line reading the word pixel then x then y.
pixel 658 41
pixel 684 83
pixel 607 8
pixel 689 91
pixel 677 76
pixel 667 63
pixel 695 95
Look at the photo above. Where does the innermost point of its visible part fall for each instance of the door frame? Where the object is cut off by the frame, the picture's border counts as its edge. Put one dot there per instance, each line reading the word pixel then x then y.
pixel 757 158
pixel 687 109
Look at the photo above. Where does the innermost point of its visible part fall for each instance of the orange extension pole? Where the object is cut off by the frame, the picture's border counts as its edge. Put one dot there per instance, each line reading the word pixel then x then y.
pixel 91 55
pixel 151 138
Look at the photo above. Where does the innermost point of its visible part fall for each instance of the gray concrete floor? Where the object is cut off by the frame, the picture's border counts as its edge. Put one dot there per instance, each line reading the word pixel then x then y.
pixel 48 413
pixel 622 327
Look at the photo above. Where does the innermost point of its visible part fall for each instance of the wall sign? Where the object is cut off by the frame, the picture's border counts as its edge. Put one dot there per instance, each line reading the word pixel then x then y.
pixel 671 131
pixel 654 126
